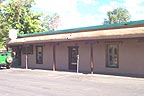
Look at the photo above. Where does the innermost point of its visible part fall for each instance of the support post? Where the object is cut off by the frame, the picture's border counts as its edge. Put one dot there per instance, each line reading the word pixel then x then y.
pixel 26 56
pixel 26 61
pixel 91 58
pixel 77 63
pixel 54 58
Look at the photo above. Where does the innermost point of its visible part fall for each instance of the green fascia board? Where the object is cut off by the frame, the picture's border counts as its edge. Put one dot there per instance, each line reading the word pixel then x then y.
pixel 131 23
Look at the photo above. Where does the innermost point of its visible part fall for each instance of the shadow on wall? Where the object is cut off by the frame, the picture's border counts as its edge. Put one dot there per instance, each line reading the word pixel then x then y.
pixel 16 63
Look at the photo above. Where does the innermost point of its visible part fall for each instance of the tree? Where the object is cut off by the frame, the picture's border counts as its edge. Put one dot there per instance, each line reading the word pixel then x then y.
pixel 17 14
pixel 118 15
pixel 50 22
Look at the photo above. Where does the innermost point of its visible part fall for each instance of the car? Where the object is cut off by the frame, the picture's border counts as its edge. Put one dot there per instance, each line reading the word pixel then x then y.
pixel 6 59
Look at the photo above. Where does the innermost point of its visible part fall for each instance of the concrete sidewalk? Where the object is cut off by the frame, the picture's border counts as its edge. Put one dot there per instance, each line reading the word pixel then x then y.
pixel 40 71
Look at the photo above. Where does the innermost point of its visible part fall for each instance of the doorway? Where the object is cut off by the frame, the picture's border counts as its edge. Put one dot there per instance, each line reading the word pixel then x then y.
pixel 73 57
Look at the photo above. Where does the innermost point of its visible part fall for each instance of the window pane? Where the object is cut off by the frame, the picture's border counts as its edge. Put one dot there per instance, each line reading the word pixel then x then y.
pixel 111 59
pixel 110 51
pixel 39 54
pixel 27 49
pixel 115 51
pixel 115 60
pixel 74 56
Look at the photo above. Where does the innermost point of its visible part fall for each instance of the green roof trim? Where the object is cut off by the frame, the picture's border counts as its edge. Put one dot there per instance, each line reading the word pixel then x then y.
pixel 131 23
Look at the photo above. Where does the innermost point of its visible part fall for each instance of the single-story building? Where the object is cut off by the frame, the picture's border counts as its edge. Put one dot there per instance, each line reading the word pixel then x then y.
pixel 112 49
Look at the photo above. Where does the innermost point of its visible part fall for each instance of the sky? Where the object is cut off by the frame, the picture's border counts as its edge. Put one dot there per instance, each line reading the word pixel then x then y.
pixel 82 13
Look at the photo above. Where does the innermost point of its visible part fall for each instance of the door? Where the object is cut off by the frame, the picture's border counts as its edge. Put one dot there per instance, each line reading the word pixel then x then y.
pixel 73 57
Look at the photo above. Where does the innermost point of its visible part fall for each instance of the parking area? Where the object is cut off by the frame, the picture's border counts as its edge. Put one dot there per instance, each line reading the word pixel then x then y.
pixel 21 82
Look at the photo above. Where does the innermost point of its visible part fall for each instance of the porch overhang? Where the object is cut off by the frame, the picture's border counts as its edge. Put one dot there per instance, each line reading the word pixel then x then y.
pixel 136 32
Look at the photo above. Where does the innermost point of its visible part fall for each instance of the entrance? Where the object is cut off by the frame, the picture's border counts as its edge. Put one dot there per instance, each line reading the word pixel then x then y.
pixel 17 57
pixel 73 57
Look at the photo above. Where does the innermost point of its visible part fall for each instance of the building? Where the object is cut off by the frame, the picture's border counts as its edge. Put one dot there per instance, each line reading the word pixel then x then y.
pixel 111 49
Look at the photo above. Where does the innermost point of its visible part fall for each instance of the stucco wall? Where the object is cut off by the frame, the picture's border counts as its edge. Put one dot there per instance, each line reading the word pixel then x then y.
pixel 61 57
pixel 84 57
pixel 131 57
pixel 47 58
pixel 99 57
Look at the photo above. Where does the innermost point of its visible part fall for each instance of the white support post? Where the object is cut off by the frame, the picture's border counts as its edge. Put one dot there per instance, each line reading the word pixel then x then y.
pixel 26 61
pixel 77 63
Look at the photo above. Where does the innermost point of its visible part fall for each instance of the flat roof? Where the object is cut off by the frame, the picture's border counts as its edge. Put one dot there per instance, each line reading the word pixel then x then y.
pixel 90 28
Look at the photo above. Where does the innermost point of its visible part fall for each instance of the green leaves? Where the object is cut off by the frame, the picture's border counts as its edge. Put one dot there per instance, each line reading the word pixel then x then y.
pixel 17 14
pixel 50 22
pixel 118 15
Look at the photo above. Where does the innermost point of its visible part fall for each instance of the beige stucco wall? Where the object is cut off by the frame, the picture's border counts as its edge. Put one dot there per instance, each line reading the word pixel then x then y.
pixel 61 57
pixel 84 57
pixel 131 57
pixel 47 58
pixel 99 57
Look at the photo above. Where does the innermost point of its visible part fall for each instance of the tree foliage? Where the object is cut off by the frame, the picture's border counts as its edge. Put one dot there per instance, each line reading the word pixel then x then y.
pixel 50 22
pixel 17 14
pixel 118 15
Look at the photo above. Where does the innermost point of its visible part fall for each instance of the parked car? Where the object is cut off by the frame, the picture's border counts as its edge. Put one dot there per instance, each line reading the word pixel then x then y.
pixel 6 59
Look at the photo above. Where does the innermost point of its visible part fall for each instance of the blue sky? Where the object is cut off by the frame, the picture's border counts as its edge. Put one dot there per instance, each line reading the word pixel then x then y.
pixel 81 13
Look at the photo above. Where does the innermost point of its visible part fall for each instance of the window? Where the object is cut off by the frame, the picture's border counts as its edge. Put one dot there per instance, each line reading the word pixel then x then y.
pixel 112 56
pixel 27 49
pixel 39 54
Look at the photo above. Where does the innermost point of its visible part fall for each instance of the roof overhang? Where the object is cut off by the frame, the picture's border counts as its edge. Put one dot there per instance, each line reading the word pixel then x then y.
pixel 84 35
